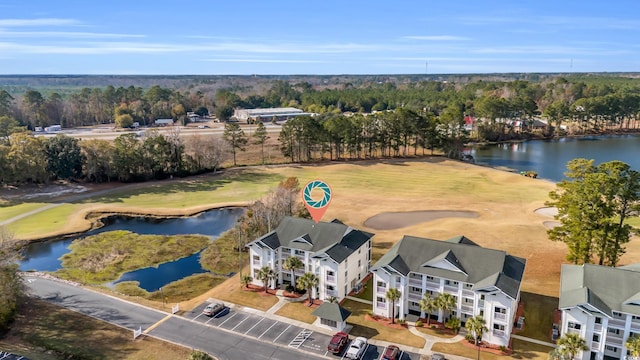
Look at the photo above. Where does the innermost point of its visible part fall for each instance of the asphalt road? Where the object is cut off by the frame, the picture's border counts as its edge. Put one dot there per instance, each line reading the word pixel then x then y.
pixel 220 343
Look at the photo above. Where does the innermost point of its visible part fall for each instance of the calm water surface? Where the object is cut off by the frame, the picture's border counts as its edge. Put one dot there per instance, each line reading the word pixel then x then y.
pixel 549 158
pixel 45 256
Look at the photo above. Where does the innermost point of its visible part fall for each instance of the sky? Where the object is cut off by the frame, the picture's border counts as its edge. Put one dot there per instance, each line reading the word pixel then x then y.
pixel 329 37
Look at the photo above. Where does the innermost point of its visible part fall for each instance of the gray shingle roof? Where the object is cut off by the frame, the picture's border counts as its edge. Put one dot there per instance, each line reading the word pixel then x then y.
pixel 331 311
pixel 334 239
pixel 467 261
pixel 605 288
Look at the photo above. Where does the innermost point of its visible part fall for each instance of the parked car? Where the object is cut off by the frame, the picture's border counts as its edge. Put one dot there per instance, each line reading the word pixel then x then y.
pixel 213 309
pixel 203 126
pixel 437 356
pixel 356 348
pixel 337 343
pixel 391 352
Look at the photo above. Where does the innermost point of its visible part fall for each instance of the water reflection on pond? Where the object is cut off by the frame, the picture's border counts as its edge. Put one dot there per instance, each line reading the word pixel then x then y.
pixel 45 256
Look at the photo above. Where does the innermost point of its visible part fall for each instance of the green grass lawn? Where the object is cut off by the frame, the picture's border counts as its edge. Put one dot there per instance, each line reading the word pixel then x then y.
pixel 43 223
pixel 297 311
pixel 367 294
pixel 378 331
pixel 538 315
pixel 7 212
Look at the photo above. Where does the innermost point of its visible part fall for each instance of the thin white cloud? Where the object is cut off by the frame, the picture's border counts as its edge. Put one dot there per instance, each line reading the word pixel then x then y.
pixel 283 61
pixel 437 38
pixel 65 34
pixel 37 22
pixel 108 47
pixel 537 50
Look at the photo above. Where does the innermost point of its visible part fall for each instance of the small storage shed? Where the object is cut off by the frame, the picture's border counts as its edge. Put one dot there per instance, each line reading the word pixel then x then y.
pixel 331 316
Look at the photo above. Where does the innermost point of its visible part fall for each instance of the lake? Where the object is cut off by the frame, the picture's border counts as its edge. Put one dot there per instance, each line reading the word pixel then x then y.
pixel 45 256
pixel 549 158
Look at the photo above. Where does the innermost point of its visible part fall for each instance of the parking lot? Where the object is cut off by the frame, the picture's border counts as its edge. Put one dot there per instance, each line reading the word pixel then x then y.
pixel 274 331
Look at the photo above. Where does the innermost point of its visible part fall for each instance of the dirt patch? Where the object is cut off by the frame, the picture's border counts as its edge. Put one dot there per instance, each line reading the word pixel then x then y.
pixel 397 220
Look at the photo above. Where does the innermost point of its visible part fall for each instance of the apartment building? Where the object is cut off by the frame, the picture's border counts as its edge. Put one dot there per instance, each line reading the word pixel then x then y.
pixel 602 305
pixel 339 255
pixel 482 281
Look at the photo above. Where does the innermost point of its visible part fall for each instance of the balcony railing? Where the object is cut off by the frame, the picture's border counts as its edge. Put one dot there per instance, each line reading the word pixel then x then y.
pixel 467 309
pixel 613 341
pixel 481 304
pixel 415 297
pixel 597 328
pixel 331 293
pixel 619 323
pixel 497 332
pixel 381 305
pixel 415 282
pixel 381 289
pixel 299 272
pixel 431 285
pixel 635 326
pixel 452 288
pixel 573 331
pixel 595 345
pixel 467 293
pixel 500 316
pixel 331 279
pixel 257 262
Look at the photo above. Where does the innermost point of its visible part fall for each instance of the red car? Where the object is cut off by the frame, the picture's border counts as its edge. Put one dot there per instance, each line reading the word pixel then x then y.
pixel 391 352
pixel 338 342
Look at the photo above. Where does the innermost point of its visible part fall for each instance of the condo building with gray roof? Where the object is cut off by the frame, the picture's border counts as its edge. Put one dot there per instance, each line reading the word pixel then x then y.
pixel 602 305
pixel 339 255
pixel 482 281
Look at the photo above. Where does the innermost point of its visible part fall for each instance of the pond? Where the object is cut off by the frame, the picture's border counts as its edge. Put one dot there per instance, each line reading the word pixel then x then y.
pixel 45 256
pixel 549 158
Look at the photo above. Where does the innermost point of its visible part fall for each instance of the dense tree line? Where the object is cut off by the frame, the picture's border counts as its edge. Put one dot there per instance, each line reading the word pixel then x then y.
pixel 28 159
pixel 592 103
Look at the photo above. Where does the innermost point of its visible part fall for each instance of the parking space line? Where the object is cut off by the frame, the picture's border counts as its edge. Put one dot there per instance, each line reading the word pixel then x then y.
pixel 197 316
pixel 274 340
pixel 274 324
pixel 254 325
pixel 230 317
pixel 241 321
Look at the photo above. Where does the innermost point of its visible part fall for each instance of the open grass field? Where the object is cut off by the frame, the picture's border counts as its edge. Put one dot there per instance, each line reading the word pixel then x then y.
pixel 505 203
pixel 522 350
pixel 57 333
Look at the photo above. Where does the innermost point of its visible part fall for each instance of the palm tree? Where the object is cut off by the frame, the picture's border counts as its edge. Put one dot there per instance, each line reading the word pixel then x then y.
pixel 292 263
pixel 393 295
pixel 428 305
pixel 308 281
pixel 245 280
pixel 445 302
pixel 633 345
pixel 265 274
pixel 476 326
pixel 571 344
pixel 453 324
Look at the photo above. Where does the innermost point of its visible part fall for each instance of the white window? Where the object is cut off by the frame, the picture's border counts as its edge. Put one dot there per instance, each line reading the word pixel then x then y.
pixel 612 331
pixel 573 325
pixel 498 327
pixel 381 284
pixel 499 310
pixel 300 252
pixel 598 320
pixel 328 322
pixel 381 300
pixel 611 348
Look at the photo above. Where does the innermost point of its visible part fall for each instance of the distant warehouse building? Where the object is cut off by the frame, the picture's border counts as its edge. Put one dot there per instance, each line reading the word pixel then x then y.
pixel 277 114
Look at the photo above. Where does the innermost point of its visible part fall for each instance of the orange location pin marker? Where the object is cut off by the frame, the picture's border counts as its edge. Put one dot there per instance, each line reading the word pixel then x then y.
pixel 316 208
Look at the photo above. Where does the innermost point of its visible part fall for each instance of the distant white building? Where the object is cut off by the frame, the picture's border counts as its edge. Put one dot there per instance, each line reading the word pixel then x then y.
pixel 602 305
pixel 266 115
pixel 483 282
pixel 339 255
pixel 164 122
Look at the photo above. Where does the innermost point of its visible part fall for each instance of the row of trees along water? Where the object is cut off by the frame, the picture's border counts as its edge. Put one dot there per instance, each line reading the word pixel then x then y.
pixel 592 103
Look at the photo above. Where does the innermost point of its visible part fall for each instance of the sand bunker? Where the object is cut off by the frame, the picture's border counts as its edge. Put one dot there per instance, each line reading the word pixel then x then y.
pixel 551 224
pixel 547 211
pixel 397 220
